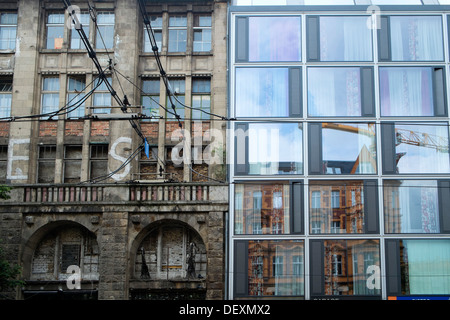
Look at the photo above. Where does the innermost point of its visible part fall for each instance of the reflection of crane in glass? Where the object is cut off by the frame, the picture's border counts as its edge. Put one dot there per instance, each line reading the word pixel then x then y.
pixel 410 137
pixel 421 139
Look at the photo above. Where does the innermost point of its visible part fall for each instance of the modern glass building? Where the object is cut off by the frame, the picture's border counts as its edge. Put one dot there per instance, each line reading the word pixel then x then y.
pixel 340 174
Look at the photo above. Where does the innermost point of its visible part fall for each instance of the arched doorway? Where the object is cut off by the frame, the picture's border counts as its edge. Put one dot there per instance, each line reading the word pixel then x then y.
pixel 64 264
pixel 170 263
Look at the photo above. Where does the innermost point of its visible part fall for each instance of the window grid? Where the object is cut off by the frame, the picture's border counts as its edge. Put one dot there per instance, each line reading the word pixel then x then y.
pixel 8 30
pixel 379 177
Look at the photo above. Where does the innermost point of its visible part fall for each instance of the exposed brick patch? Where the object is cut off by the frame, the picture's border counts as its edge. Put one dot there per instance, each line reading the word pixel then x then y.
pixel 4 129
pixel 150 130
pixel 100 128
pixel 48 128
pixel 74 128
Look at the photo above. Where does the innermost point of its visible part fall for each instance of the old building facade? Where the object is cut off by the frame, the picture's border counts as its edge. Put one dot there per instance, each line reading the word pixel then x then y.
pixel 115 155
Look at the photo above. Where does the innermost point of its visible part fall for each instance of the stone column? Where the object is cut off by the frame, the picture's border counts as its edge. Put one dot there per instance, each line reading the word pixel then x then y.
pixel 113 284
pixel 216 258
pixel 21 147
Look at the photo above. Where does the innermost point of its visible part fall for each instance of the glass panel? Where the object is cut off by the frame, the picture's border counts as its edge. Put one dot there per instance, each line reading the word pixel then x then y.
pixel 345 39
pixel 356 156
pixel 422 148
pixel 262 209
pixel 7 38
pixel 262 92
pixel 417 39
pixel 336 207
pixel 177 21
pixel 8 18
pixel 351 267
pixel 75 41
pixel 406 91
pixel 275 148
pixel 275 39
pixel 276 268
pixel 425 266
pixel 177 40
pixel 334 92
pixel 411 206
pixel 5 105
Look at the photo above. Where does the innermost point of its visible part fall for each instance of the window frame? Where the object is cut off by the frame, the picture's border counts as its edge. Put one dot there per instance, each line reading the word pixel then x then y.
pixel 385 41
pixel 9 25
pixel 294 95
pixel 109 44
pixel 313 47
pixel 58 24
pixel 201 94
pixel 75 95
pixel 50 109
pixel 42 160
pixel 366 91
pixel 295 214
pixel 242 45
pixel 241 141
pixel 201 29
pixel 315 149
pixel 181 42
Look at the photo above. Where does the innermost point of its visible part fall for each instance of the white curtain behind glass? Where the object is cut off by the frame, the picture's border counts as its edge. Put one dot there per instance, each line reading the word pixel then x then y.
pixel 428 266
pixel 416 39
pixel 407 92
pixel 334 92
pixel 345 39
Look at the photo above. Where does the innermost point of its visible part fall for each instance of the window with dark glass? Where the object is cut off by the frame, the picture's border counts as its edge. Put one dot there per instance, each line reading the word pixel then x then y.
pixel 46 164
pixel 411 38
pixel 8 30
pixel 345 268
pixel 340 91
pixel 72 163
pixel 98 161
pixel 269 268
pixel 268 92
pixel 415 148
pixel 269 148
pixel 412 91
pixel 3 162
pixel 328 155
pixel 266 39
pixel 339 38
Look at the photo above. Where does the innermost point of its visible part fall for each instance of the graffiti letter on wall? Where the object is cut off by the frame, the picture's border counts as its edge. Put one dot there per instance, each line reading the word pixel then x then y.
pixel 11 157
pixel 114 155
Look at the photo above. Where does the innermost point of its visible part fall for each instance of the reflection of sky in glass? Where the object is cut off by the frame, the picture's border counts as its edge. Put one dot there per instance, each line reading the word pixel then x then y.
pixel 262 92
pixel 274 39
pixel 275 148
pixel 431 157
pixel 349 148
